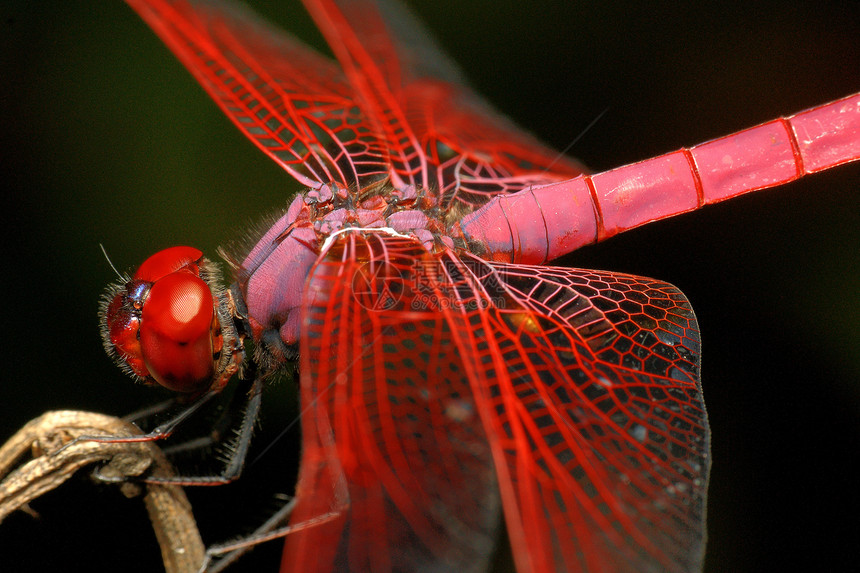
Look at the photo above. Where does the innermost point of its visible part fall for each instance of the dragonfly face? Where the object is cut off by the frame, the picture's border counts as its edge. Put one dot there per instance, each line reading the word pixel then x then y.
pixel 162 325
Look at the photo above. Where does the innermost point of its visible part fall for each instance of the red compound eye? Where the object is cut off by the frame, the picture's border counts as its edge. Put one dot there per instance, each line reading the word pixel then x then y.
pixel 163 325
pixel 176 332
pixel 169 261
pixel 123 323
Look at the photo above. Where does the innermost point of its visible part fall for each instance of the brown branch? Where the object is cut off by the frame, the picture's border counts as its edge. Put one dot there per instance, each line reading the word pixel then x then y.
pixel 42 439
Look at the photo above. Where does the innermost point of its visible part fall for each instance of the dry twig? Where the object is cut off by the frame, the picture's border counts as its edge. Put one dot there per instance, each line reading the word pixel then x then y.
pixel 44 437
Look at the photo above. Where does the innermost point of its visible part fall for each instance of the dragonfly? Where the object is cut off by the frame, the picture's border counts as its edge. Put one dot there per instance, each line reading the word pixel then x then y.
pixel 569 400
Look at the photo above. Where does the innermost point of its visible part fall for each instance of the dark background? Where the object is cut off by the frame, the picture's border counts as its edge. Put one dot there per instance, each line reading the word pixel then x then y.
pixel 106 139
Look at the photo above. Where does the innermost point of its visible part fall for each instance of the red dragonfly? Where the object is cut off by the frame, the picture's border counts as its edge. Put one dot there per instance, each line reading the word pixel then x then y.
pixel 569 396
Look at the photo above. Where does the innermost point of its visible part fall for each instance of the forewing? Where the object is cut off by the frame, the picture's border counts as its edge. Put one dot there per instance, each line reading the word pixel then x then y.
pixel 404 112
pixel 291 102
pixel 391 436
pixel 589 382
pixel 440 132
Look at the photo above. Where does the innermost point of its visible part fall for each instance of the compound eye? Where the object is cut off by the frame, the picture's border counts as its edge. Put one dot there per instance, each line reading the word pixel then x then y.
pixel 176 330
pixel 169 261
pixel 123 325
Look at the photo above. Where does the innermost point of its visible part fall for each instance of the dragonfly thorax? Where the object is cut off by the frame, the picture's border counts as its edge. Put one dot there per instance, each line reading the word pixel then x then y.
pixel 271 278
pixel 407 209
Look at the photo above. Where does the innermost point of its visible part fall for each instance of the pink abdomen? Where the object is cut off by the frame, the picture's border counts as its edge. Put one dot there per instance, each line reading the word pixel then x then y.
pixel 540 224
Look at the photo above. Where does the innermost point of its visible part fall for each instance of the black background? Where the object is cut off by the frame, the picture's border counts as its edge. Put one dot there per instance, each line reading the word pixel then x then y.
pixel 106 139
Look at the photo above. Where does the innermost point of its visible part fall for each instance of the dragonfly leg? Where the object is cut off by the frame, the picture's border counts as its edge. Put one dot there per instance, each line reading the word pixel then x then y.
pixel 159 433
pixel 220 428
pixel 247 399
pixel 162 431
pixel 274 527
pixel 236 451
pixel 145 414
pixel 220 556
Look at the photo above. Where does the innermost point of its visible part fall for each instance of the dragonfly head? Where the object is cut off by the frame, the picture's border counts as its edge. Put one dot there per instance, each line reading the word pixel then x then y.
pixel 167 324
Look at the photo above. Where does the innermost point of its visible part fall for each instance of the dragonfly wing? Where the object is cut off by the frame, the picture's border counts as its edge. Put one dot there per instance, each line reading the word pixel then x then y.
pixel 589 383
pixel 400 111
pixel 423 372
pixel 293 103
pixel 441 133
pixel 391 436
